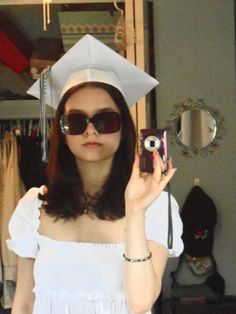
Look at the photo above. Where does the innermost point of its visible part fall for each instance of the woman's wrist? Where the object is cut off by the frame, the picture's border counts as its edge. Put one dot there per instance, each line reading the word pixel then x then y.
pixel 135 237
pixel 134 212
pixel 137 260
pixel 135 221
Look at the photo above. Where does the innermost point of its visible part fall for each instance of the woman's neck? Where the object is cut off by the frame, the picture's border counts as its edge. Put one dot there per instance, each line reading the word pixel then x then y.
pixel 94 175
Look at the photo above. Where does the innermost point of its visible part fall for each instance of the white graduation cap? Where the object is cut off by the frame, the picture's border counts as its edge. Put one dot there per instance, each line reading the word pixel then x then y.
pixel 89 60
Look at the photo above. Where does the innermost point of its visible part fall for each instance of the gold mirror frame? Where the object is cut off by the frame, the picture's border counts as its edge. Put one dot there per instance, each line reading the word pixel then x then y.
pixel 189 104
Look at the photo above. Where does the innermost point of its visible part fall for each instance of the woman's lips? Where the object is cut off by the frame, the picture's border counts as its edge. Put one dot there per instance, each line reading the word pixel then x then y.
pixel 92 145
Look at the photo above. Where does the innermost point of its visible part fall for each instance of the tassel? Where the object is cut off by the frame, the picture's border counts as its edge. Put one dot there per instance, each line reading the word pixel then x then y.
pixel 44 76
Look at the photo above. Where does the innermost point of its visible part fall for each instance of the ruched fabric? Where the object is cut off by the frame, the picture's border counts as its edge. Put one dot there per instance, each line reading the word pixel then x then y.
pixel 70 302
pixel 78 277
pixel 24 224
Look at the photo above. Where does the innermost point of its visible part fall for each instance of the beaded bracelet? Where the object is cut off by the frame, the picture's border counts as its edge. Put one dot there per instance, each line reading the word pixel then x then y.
pixel 137 260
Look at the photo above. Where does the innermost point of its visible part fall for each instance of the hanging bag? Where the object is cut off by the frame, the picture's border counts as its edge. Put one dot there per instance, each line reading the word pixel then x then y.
pixel 206 286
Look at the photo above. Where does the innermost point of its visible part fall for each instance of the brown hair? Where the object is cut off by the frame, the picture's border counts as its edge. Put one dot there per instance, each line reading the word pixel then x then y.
pixel 65 197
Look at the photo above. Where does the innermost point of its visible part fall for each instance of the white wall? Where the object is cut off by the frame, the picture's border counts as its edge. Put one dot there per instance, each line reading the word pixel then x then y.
pixel 195 59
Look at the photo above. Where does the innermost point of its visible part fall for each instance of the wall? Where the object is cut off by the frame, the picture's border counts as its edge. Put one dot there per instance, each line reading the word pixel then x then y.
pixel 196 59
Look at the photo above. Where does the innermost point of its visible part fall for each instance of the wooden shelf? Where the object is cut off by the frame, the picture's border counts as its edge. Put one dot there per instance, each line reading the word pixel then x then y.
pixel 22 109
pixel 29 2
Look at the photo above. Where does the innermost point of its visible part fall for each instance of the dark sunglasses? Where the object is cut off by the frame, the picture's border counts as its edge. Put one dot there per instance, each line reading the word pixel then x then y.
pixel 75 123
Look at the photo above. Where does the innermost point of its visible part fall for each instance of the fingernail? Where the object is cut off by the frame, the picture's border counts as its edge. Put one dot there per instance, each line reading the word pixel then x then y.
pixel 155 153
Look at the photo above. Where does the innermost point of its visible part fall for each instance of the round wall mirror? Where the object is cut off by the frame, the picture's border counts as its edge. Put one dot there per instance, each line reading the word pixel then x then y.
pixel 196 127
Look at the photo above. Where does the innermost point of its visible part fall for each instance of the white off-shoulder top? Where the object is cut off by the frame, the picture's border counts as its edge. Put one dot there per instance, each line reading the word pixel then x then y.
pixel 82 278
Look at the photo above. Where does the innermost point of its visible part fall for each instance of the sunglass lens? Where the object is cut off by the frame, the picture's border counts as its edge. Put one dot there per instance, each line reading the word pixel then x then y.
pixel 73 123
pixel 107 122
pixel 104 122
pixel 77 123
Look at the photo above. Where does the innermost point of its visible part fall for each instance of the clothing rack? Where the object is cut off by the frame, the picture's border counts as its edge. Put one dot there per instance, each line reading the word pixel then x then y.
pixel 22 115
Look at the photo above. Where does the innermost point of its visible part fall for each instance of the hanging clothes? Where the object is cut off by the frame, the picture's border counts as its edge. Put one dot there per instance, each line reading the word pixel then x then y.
pixel 12 189
pixel 27 132
pixel 21 168
pixel 32 168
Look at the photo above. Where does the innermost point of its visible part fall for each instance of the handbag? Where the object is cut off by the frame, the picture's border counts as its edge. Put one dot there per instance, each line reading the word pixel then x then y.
pixel 208 284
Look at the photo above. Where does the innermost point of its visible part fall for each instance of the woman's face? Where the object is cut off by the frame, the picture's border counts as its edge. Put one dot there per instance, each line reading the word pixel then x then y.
pixel 92 146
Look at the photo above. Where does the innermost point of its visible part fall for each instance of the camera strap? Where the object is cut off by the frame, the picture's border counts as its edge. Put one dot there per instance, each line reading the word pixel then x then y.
pixel 170 222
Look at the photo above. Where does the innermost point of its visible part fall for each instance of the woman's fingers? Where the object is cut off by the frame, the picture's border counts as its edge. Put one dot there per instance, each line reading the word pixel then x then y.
pixel 158 165
pixel 136 167
pixel 160 172
pixel 143 188
pixel 169 173
pixel 159 168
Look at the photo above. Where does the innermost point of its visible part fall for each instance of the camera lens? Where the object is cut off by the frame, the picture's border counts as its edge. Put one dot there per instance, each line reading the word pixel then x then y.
pixel 151 143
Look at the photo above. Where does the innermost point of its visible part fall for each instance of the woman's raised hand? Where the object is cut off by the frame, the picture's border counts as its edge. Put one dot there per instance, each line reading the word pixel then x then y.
pixel 143 188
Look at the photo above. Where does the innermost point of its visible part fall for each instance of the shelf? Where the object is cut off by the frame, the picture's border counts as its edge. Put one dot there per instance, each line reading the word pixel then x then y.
pixel 25 109
pixel 29 2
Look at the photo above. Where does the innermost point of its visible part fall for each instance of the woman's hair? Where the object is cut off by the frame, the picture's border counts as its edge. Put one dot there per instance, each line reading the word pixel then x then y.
pixel 65 197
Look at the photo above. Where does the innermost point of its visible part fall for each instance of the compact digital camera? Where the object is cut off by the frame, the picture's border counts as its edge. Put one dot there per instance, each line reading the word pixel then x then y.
pixel 152 140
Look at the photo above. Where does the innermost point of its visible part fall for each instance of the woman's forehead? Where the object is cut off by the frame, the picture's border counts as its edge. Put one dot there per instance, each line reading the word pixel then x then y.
pixel 90 99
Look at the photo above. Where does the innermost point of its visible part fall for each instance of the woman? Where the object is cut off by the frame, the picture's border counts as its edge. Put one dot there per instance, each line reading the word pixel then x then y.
pixel 93 240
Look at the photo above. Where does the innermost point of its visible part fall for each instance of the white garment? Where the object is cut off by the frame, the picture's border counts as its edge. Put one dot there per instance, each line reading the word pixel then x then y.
pixel 81 278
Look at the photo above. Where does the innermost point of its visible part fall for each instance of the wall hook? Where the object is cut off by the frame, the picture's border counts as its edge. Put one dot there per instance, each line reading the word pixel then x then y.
pixel 117 8
pixel 46 14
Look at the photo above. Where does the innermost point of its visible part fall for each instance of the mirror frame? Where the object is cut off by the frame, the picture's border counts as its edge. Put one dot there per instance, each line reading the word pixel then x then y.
pixel 172 127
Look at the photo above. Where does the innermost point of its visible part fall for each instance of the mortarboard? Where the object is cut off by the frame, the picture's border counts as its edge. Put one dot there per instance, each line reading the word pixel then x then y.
pixel 89 60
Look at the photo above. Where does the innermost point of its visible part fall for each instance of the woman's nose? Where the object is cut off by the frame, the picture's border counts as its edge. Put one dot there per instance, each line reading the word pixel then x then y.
pixel 90 129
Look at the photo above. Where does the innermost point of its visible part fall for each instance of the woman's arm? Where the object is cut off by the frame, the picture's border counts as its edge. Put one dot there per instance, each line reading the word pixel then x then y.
pixel 24 296
pixel 143 279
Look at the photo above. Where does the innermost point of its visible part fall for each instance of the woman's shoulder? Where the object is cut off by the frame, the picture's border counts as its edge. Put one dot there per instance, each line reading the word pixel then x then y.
pixel 24 224
pixel 28 207
pixel 157 222
pixel 33 193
